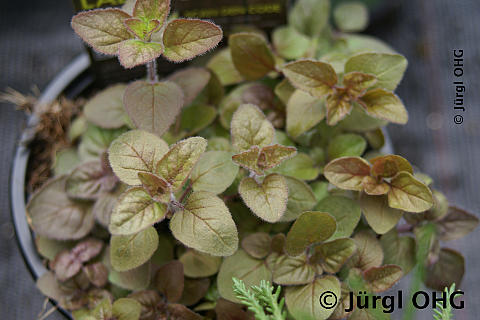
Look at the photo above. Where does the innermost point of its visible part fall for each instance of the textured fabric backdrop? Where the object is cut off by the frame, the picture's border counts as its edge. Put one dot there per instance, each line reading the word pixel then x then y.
pixel 36 42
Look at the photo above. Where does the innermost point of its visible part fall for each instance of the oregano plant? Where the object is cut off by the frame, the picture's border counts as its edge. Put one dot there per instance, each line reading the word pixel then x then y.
pixel 246 187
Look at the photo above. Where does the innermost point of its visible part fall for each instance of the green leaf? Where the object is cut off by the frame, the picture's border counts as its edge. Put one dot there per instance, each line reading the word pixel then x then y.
pixel 449 269
pixel 267 200
pixel 53 215
pixel 249 160
pixel 205 225
pixel 347 172
pixel 379 215
pixel 388 68
pixel 257 244
pixel 214 172
pixel 338 105
pixel 300 198
pixel 132 53
pixel 103 310
pixel 152 9
pixel 271 156
pixel 310 17
pixel 398 250
pixel 251 55
pixel 169 280
pixel 176 165
pixel 382 278
pixel 314 77
pixel 409 194
pixel 369 252
pixel 129 252
pixel 303 113
pixel 135 279
pixel 389 165
pixel 142 29
pixel 284 90
pixel 311 227
pixel 49 248
pixel 199 265
pixel 102 29
pixel 105 109
pixel 134 152
pixel 184 39
pixel 359 121
pixel 249 127
pixel 375 138
pixel 332 255
pixel 456 224
pixel 384 105
pixel 197 117
pixel 135 211
pixel 222 65
pixel 294 270
pixel 300 167
pixel 346 145
pixel 303 302
pixel 320 189
pixel 65 161
pixel 126 309
pixel 95 141
pixel 351 16
pixel 153 107
pixel 289 43
pixel 192 81
pixel 346 212
pixel 243 267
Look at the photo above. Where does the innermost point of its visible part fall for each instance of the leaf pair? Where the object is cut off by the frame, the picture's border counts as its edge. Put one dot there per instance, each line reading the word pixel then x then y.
pixel 319 79
pixel 390 174
pixel 115 32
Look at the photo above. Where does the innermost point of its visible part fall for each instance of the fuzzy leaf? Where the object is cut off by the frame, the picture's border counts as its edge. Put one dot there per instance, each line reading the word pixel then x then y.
pixel 356 83
pixel 105 109
pixel 311 227
pixel 294 270
pixel 169 281
pixel 222 65
pixel 314 77
pixel 388 68
pixel 449 269
pixel 347 172
pixel 351 16
pixel 184 39
pixel 152 10
pixel 272 156
pixel 251 55
pixel 129 252
pixel 135 211
pixel 132 53
pixel 199 265
pixel 346 145
pixel 103 207
pixel 65 265
pixel 300 198
pixel 379 215
pixel 267 200
pixel 134 152
pixel 243 267
pixel 382 278
pixel 249 160
pixel 95 142
pixel 89 180
pixel 192 81
pixel 102 29
pixel 369 253
pixel 53 215
pixel 374 187
pixel 346 212
pixel 338 106
pixel 303 302
pixel 197 117
pixel 303 113
pixel 332 255
pixel 301 166
pixel 289 43
pixel 176 165
pixel 456 224
pixel 249 127
pixel 153 107
pixel 126 309
pixel 384 105
pixel 398 250
pixel 142 29
pixel 310 17
pixel 409 194
pixel 257 244
pixel 214 172
pixel 205 225
pixel 135 279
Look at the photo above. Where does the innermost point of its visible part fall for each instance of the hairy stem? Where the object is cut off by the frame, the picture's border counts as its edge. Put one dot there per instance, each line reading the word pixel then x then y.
pixel 152 71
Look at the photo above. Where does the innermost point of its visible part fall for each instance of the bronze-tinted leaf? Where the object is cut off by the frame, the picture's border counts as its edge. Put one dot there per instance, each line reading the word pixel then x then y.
pixel 89 180
pixel 449 269
pixel 375 187
pixel 384 105
pixel 194 290
pixel 347 172
pixel 132 53
pixel 106 109
pixel 333 254
pixel 272 156
pixel 409 194
pixel 338 106
pixel 97 273
pixel 249 160
pixel 398 250
pixel 389 165
pixel 314 77
pixel 152 10
pixel 357 82
pixel 294 270
pixel 180 312
pixel 456 224
pixel 226 310
pixel 257 244
pixel 192 81
pixel 379 215
pixel 169 281
pixel 199 265
pixel 382 278
pixel 369 252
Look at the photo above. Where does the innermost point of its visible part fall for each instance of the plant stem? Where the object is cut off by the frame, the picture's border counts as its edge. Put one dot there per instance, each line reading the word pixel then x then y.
pixel 185 193
pixel 152 71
